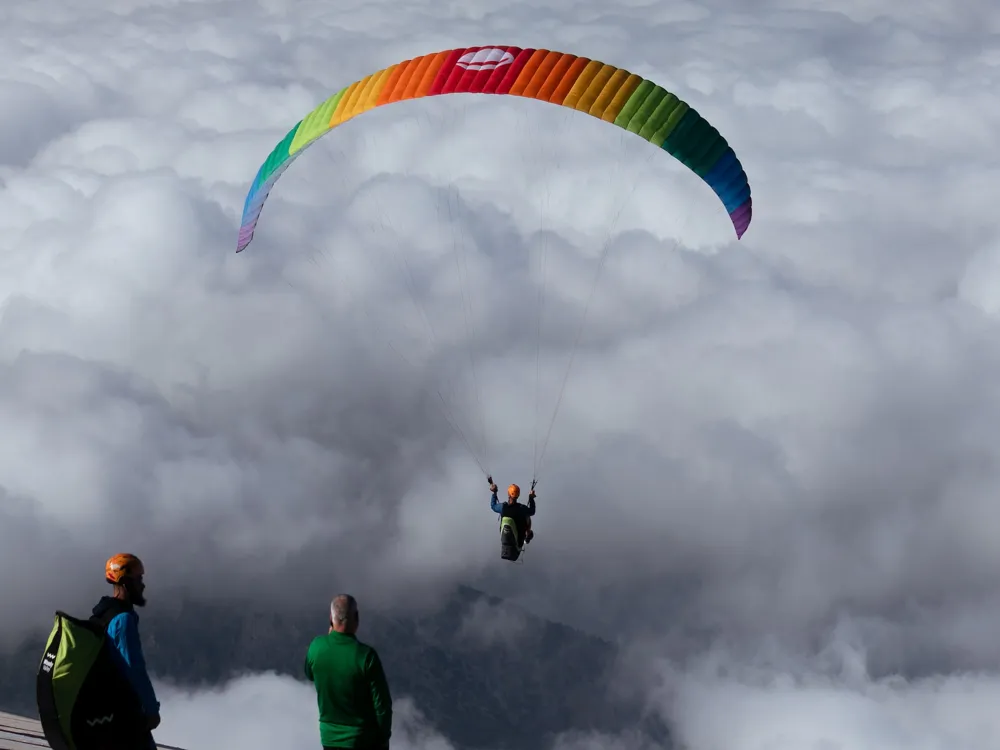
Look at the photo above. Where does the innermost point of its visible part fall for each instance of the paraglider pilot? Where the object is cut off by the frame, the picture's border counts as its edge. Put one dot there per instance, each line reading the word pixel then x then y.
pixel 515 519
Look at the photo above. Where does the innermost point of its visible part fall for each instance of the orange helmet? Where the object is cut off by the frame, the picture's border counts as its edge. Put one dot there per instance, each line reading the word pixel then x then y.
pixel 514 491
pixel 123 566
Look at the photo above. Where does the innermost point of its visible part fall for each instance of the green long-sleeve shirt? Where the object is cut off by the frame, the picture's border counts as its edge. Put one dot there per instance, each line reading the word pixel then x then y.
pixel 355 707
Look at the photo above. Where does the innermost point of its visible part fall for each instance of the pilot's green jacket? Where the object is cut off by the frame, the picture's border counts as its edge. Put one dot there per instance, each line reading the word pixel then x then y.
pixel 355 707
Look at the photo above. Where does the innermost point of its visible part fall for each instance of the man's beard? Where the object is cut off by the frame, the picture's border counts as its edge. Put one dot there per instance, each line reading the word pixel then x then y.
pixel 136 597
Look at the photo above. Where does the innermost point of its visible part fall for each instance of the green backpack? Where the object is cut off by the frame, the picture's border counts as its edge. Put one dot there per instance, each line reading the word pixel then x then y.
pixel 85 701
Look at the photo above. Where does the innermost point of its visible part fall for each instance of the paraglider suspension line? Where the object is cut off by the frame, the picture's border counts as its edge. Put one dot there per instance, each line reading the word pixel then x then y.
pixel 579 332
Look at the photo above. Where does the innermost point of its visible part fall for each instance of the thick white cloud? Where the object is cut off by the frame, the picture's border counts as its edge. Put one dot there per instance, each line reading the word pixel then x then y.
pixel 758 440
pixel 272 711
pixel 786 710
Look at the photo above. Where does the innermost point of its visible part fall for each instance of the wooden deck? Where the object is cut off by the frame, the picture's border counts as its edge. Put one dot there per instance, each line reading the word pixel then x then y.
pixel 20 733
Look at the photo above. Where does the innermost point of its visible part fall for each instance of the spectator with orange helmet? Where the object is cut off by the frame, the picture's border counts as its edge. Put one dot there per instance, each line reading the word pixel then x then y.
pixel 121 622
pixel 515 519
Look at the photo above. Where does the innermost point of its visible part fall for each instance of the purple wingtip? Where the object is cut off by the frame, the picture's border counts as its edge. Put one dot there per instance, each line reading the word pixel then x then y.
pixel 246 234
pixel 741 217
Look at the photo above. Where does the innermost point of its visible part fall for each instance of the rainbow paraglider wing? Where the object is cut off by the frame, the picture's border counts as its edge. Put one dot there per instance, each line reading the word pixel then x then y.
pixel 603 91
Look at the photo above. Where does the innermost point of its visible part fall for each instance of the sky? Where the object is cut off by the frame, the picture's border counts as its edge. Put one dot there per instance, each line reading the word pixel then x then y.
pixel 772 474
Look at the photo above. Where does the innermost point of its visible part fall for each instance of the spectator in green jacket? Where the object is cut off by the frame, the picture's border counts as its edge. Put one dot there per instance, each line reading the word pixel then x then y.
pixel 355 707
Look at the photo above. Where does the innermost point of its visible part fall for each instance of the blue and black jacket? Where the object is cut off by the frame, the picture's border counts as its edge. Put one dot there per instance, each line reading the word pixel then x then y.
pixel 516 511
pixel 122 625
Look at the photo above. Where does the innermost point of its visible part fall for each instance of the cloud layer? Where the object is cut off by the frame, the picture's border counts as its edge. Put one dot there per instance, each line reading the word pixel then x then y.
pixel 790 440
